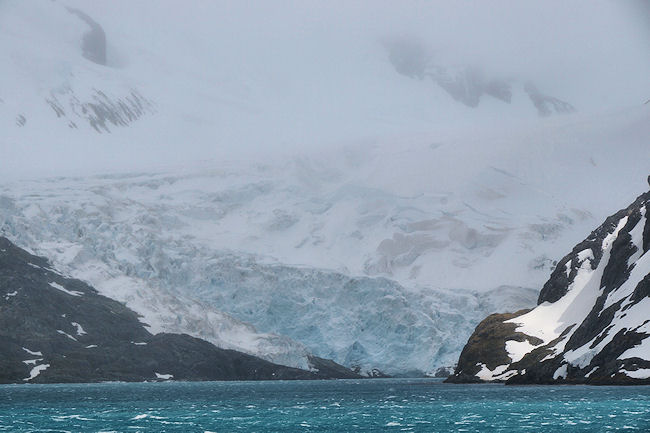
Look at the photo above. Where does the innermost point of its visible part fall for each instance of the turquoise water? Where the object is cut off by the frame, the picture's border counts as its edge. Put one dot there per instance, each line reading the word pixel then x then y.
pixel 321 406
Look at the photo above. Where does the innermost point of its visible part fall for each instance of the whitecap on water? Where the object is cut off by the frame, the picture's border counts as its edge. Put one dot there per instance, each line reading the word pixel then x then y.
pixel 60 418
pixel 146 415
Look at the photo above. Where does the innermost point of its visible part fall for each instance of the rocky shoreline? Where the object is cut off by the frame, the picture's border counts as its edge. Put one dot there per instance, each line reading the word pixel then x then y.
pixel 592 322
pixel 55 329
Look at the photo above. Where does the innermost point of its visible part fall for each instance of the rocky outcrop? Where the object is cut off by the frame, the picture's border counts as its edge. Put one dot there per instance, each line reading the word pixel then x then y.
pixel 592 322
pixel 466 84
pixel 101 111
pixel 547 105
pixel 57 329
pixel 94 40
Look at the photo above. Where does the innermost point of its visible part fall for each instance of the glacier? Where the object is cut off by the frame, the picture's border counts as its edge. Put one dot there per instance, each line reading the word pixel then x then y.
pixel 177 284
pixel 275 203
pixel 339 254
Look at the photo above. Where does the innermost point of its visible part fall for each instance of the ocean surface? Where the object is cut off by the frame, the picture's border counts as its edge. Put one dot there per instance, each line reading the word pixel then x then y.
pixel 417 405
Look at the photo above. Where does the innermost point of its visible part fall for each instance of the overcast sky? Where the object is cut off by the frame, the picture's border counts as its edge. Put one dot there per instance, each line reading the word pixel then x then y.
pixel 233 76
pixel 600 45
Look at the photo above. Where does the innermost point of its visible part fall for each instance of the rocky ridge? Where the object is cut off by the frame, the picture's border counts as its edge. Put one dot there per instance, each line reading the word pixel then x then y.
pixel 592 321
pixel 466 84
pixel 57 329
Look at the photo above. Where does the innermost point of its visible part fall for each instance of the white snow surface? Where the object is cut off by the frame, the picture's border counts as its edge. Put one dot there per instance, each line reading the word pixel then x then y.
pixel 499 373
pixel 31 352
pixel 518 349
pixel 641 350
pixel 58 286
pixel 384 250
pixel 36 371
pixel 231 248
pixel 66 334
pixel 561 372
pixel 80 330
pixel 549 320
pixel 277 244
pixel 641 373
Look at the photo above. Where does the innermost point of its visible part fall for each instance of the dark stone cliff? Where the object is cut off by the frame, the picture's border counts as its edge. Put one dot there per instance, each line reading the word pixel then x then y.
pixel 57 329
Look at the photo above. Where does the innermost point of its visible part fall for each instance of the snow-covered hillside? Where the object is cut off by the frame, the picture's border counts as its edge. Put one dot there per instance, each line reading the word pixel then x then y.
pixel 346 253
pixel 591 324
pixel 298 191
pixel 220 78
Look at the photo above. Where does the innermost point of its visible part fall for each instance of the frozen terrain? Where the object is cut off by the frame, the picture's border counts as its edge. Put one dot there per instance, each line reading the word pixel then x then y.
pixel 314 193
pixel 217 79
pixel 591 321
pixel 55 329
pixel 357 260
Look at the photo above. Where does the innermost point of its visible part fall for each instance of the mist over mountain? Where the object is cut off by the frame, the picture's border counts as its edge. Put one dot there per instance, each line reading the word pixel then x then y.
pixel 363 181
pixel 229 80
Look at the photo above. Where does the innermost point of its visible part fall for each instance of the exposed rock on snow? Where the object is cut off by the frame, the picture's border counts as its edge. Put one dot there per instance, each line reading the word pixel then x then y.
pixel 547 105
pixel 158 259
pixel 382 252
pixel 99 110
pixel 190 250
pixel 94 40
pixel 39 315
pixel 592 322
pixel 465 84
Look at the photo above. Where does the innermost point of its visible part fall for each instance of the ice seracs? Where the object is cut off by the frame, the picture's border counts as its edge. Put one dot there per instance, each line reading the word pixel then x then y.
pixel 309 237
pixel 112 344
pixel 437 201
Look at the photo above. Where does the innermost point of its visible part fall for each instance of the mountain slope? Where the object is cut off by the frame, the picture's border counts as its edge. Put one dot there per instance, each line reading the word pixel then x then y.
pixel 592 324
pixel 278 244
pixel 55 329
pixel 431 202
pixel 94 82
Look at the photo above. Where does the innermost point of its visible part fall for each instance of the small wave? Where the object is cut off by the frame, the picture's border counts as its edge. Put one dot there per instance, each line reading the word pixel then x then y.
pixel 64 417
pixel 146 415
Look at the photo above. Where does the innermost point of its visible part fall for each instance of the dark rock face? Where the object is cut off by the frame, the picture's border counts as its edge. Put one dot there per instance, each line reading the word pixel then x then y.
pixel 94 40
pixel 465 84
pixel 443 372
pixel 484 345
pixel 408 57
pixel 558 284
pixel 593 315
pixel 325 368
pixel 547 105
pixel 56 329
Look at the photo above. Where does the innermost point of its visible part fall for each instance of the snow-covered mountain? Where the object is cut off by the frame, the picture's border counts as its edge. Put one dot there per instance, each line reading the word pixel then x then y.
pixel 350 256
pixel 591 324
pixel 56 329
pixel 468 84
pixel 342 206
pixel 221 79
